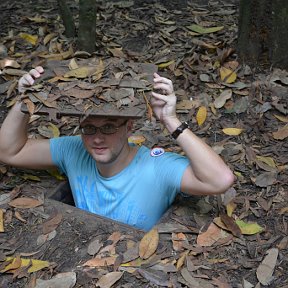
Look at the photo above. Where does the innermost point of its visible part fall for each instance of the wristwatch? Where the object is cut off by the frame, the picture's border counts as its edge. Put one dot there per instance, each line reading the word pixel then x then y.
pixel 179 130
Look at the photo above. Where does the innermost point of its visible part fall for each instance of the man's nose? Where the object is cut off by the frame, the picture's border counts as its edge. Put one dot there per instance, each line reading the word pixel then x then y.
pixel 98 137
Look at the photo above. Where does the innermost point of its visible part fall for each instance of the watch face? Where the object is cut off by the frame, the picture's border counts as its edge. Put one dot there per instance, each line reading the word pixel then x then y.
pixel 179 130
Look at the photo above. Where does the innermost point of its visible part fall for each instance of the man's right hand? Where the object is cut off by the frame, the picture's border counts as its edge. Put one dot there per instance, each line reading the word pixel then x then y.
pixel 28 79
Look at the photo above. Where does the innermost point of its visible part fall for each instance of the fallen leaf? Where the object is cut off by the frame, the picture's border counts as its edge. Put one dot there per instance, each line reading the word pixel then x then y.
pixel 266 268
pixel 1 220
pixel 31 177
pixel 220 101
pixel 109 279
pixel 48 38
pixel 25 203
pixel 52 224
pixel 181 260
pixel 156 277
pixel 232 131
pixel 230 208
pixel 204 30
pixel 32 39
pixel 165 64
pixel 281 118
pixel 19 217
pixel 201 115
pixel 36 264
pixel 231 225
pixel 117 52
pixel 249 228
pixel 137 139
pixel 281 134
pixel 7 197
pixel 46 237
pixel 268 160
pixel 94 247
pixel 100 262
pixel 227 76
pixel 63 280
pixel 81 72
pixel 211 235
pixel 149 243
pixel 266 179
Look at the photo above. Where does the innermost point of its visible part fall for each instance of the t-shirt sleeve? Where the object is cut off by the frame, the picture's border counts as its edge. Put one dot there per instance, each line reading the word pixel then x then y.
pixel 62 150
pixel 170 169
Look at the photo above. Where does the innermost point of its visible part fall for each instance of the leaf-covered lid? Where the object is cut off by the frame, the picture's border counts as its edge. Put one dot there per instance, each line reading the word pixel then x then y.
pixel 82 87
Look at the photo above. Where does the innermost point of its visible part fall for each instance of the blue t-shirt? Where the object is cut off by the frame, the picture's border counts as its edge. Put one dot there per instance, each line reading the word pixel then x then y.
pixel 138 195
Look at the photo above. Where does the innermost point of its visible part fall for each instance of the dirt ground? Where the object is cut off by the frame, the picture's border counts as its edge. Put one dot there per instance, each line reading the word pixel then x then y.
pixel 156 32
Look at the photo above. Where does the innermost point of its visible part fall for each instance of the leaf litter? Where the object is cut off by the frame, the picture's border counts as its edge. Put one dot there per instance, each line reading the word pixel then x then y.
pixel 240 113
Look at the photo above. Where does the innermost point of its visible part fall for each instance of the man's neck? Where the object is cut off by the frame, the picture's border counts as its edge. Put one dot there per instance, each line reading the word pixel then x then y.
pixel 123 160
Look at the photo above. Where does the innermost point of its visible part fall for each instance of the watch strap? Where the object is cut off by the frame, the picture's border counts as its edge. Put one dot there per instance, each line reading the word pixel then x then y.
pixel 179 130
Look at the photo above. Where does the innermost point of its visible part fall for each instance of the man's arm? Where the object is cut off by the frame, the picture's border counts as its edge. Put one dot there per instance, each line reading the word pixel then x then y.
pixel 207 173
pixel 15 147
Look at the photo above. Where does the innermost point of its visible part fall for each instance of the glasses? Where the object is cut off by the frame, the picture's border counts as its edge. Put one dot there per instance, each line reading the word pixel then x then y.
pixel 106 129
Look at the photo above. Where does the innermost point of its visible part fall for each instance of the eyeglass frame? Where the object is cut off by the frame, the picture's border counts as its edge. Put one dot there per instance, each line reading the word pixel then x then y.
pixel 96 129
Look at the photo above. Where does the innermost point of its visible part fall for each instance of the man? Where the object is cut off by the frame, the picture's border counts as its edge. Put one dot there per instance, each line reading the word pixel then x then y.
pixel 109 176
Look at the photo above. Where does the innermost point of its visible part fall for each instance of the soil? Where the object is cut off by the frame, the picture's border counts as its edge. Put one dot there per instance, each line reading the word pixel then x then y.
pixel 225 265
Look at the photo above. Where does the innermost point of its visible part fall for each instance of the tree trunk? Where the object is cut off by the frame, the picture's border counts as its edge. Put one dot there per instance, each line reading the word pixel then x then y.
pixel 263 36
pixel 87 25
pixel 67 19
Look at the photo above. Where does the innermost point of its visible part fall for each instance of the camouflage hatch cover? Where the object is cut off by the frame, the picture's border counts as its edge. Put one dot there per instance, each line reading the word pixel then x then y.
pixel 83 87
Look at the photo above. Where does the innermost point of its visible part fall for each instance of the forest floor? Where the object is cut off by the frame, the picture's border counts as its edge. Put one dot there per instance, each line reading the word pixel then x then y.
pixel 242 112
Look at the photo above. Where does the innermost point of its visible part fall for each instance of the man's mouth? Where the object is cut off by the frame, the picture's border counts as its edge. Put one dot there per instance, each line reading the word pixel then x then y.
pixel 100 150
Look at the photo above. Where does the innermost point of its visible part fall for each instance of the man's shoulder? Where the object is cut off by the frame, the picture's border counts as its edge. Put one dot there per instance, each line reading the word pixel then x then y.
pixel 69 142
pixel 157 153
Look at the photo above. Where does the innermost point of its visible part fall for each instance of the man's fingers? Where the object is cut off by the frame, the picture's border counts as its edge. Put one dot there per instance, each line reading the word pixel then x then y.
pixel 35 73
pixel 39 69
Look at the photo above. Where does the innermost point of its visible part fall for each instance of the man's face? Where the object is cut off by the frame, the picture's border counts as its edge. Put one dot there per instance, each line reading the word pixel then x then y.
pixel 105 148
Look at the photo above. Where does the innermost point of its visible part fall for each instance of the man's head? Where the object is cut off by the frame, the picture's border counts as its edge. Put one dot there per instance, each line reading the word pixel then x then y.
pixel 106 139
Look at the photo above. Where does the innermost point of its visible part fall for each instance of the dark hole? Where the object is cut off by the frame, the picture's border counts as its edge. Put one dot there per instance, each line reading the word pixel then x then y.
pixel 63 194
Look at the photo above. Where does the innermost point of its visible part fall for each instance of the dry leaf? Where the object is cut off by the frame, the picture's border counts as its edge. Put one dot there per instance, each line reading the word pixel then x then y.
pixel 266 268
pixel 220 101
pixel 268 160
pixel 109 279
pixel 281 134
pixel 266 179
pixel 7 197
pixel 204 30
pixel 282 118
pixel 19 217
pixel 100 262
pixel 137 139
pixel 25 203
pixel 94 247
pixel 61 280
pixel 232 131
pixel 36 264
pixel 249 228
pixel 117 52
pixel 228 76
pixel 1 220
pixel 46 237
pixel 181 260
pixel 211 235
pixel 32 39
pixel 230 224
pixel 52 223
pixel 81 72
pixel 165 64
pixel 201 115
pixel 149 243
